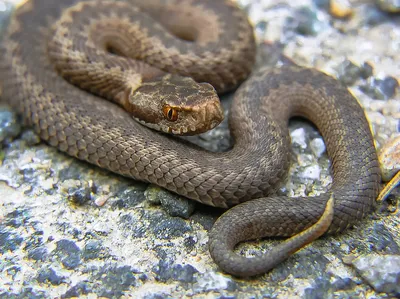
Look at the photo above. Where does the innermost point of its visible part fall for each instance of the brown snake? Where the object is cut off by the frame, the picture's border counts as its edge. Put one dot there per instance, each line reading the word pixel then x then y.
pixel 219 47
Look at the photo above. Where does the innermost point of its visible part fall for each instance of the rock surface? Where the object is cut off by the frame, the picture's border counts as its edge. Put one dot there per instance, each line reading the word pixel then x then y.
pixel 381 272
pixel 69 229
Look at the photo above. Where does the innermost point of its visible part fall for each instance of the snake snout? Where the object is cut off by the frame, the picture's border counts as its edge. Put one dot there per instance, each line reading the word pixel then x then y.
pixel 200 118
pixel 214 114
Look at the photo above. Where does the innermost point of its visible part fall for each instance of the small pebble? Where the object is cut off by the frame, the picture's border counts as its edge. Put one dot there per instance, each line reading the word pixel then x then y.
pixel 173 204
pixel 305 159
pixel 151 195
pixel 92 250
pixel 79 196
pixel 311 172
pixel 299 137
pixel 30 137
pixel 372 16
pixel 367 70
pixel 392 6
pixel 337 8
pixel 381 89
pixel 348 72
pixel 49 275
pixel 306 22
pixel 318 147
pixel 324 4
pixel 69 253
pixel 261 27
pixel 389 158
pixel 166 271
pixel 388 86
pixel 340 9
pixel 9 126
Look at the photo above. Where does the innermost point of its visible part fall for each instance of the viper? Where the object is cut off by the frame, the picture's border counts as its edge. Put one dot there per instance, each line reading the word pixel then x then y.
pixel 61 61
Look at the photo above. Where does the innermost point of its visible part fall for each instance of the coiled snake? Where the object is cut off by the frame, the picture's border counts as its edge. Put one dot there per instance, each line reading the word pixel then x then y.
pixel 215 44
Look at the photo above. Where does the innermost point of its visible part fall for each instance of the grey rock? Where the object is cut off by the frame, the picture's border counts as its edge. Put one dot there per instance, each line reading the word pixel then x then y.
pixel 173 204
pixel 348 73
pixel 324 4
pixel 79 196
pixel 38 254
pixel 49 275
pixel 133 225
pixel 372 16
pixel 9 125
pixel 13 271
pixel 69 253
pixel 16 218
pixel 389 5
pixel 382 240
pixel 318 147
pixel 389 86
pixel 306 21
pixel 30 137
pixel 168 271
pixel 92 250
pixel 367 70
pixel 5 12
pixel 381 89
pixel 112 281
pixel 152 195
pixel 381 272
pixel 26 292
pixel 129 197
pixel 299 137
pixel 261 26
pixel 180 207
pixel 165 227
pixel 81 288
pixel 312 172
pixel 9 241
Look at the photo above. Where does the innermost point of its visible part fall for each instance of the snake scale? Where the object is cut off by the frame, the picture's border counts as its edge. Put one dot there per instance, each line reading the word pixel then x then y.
pixel 215 44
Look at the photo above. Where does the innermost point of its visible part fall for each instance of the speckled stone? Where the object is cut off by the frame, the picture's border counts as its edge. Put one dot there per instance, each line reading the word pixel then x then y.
pixel 9 126
pixel 68 253
pixel 79 196
pixel 381 89
pixel 348 72
pixel 49 276
pixel 174 205
pixel 30 137
pixel 165 271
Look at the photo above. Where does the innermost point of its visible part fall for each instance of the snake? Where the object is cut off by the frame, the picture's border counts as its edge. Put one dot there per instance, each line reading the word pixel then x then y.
pixel 56 61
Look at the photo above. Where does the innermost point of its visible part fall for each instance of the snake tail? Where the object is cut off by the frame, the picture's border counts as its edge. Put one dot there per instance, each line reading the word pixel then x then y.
pixel 221 249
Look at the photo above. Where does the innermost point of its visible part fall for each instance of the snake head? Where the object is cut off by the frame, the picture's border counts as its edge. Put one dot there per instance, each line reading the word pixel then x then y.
pixel 176 105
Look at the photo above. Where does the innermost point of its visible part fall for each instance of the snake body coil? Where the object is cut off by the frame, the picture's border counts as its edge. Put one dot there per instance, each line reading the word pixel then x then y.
pixel 92 129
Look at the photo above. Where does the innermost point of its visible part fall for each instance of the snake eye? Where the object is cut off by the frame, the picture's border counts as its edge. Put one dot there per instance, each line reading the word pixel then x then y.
pixel 170 113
